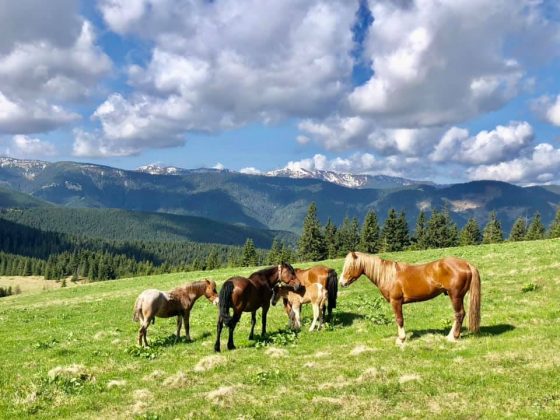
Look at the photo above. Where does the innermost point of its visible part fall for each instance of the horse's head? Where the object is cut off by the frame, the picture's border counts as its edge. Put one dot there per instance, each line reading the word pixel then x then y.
pixel 287 275
pixel 210 292
pixel 352 269
pixel 277 293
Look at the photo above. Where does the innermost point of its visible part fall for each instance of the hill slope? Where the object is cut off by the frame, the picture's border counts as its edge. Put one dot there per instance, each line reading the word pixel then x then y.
pixel 351 369
pixel 262 201
pixel 113 224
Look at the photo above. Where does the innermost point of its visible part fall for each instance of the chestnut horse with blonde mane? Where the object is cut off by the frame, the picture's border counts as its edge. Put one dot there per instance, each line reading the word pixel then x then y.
pixel 401 283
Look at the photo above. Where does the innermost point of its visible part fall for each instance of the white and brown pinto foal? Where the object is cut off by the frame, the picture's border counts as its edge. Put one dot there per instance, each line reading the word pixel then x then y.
pixel 314 293
pixel 178 302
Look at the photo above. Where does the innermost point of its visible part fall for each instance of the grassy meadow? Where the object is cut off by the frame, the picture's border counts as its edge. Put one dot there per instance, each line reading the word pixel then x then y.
pixel 71 352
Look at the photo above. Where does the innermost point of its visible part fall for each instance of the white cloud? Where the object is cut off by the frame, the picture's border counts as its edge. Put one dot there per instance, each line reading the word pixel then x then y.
pixel 250 171
pixel 17 116
pixel 549 109
pixel 541 165
pixel 87 144
pixel 441 62
pixel 48 60
pixel 26 147
pixel 220 65
pixel 502 143
pixel 219 166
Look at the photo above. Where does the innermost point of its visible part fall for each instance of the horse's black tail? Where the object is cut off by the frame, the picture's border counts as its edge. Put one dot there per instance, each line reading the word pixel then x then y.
pixel 225 302
pixel 332 289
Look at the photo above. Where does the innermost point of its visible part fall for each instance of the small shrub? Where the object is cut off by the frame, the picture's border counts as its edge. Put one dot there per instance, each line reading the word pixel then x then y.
pixel 530 287
pixel 142 352
pixel 279 338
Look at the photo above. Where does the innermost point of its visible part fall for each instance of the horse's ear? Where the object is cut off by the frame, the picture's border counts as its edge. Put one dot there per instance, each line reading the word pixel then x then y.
pixel 354 255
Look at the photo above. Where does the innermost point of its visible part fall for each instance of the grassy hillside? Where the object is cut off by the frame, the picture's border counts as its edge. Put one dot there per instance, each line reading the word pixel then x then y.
pixel 113 224
pixel 13 199
pixel 350 369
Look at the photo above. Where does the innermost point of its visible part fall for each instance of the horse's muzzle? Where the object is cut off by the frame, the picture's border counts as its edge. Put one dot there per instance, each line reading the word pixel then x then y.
pixel 216 301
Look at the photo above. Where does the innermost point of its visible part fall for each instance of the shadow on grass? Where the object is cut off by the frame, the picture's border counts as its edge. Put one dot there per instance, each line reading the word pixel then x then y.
pixel 346 319
pixel 169 341
pixel 485 331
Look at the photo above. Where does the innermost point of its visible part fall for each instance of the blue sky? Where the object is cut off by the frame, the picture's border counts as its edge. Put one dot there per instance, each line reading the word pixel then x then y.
pixel 449 90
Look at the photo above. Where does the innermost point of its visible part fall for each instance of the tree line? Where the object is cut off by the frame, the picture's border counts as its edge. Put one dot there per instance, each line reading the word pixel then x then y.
pixel 28 251
pixel 319 242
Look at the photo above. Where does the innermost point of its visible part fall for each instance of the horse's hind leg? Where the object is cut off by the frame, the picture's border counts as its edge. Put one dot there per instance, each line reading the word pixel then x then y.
pixel 234 320
pixel 316 314
pixel 458 308
pixel 219 327
pixel 144 332
pixel 187 319
pixel 397 309
pixel 253 322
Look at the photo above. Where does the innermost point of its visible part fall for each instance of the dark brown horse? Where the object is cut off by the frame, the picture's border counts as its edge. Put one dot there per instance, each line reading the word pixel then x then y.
pixel 327 278
pixel 402 283
pixel 248 295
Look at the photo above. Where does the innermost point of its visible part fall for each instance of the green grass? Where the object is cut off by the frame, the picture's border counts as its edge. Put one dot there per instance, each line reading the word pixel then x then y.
pixel 349 369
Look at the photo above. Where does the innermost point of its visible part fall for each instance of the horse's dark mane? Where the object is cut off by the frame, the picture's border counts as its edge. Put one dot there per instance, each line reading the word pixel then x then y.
pixel 269 270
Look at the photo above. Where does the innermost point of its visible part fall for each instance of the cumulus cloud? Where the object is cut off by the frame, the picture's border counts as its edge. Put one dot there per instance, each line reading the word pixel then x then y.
pixel 541 165
pixel 502 143
pixel 25 147
pixel 442 62
pixel 17 116
pixel 362 163
pixel 250 171
pixel 220 65
pixel 548 108
pixel 48 59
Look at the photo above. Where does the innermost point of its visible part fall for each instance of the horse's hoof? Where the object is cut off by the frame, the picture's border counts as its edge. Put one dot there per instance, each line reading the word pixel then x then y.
pixel 231 347
pixel 217 349
pixel 399 342
pixel 452 339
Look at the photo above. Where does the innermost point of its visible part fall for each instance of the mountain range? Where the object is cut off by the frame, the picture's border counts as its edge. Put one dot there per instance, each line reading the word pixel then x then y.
pixel 274 201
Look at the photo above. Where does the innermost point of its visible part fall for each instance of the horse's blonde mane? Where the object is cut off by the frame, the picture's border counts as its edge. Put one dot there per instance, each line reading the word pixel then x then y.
pixel 381 272
pixel 197 287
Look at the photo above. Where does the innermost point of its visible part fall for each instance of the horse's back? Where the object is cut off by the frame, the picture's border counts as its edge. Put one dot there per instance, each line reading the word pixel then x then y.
pixel 315 274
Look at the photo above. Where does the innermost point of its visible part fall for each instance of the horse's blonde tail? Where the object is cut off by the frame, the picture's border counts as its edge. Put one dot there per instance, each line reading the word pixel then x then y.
pixel 474 304
pixel 137 314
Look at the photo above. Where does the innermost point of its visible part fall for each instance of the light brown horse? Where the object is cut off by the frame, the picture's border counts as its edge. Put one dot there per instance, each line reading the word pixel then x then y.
pixel 178 302
pixel 248 295
pixel 402 283
pixel 327 278
pixel 314 293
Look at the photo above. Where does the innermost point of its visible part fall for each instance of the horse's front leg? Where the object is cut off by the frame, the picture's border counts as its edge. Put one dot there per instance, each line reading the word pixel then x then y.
pixel 397 309
pixel 316 315
pixel 264 313
pixel 179 323
pixel 186 318
pixel 253 322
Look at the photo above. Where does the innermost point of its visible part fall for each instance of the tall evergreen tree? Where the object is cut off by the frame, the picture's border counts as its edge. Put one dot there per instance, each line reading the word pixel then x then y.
pixel 348 236
pixel 287 254
pixel 311 244
pixel 554 229
pixel 275 253
pixel 395 232
pixel 536 228
pixel 420 231
pixel 518 230
pixel 441 232
pixel 212 261
pixel 493 230
pixel 250 257
pixel 331 239
pixel 470 235
pixel 369 239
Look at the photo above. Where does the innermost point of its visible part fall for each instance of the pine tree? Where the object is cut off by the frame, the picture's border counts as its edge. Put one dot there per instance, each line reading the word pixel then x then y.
pixel 287 254
pixel 518 230
pixel 250 257
pixel 392 232
pixel 493 230
pixel 369 239
pixel 311 244
pixel 470 235
pixel 554 229
pixel 212 261
pixel 331 239
pixel 536 228
pixel 441 232
pixel 275 253
pixel 420 232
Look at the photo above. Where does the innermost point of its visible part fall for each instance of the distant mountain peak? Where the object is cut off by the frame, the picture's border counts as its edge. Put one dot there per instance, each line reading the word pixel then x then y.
pixel 346 179
pixel 156 169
